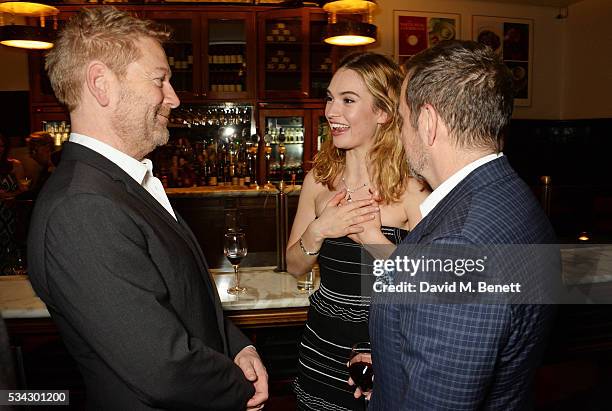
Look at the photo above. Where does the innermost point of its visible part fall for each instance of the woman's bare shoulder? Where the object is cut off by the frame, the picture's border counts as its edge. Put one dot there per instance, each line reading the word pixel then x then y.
pixel 311 185
pixel 416 192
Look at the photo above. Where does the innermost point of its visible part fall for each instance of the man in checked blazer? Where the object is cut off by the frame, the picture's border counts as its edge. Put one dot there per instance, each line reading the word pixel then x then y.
pixel 456 102
pixel 119 270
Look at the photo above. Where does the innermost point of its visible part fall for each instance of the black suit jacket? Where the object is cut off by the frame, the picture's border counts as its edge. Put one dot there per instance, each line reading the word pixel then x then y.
pixel 130 292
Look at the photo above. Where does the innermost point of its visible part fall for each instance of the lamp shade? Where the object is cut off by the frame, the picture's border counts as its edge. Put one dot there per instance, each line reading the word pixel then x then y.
pixel 350 33
pixel 24 8
pixel 26 37
pixel 349 6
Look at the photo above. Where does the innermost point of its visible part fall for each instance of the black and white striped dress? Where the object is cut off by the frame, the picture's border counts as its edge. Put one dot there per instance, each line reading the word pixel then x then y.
pixel 337 319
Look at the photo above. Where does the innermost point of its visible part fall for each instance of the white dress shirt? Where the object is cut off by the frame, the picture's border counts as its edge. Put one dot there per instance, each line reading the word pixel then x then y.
pixel 141 172
pixel 447 186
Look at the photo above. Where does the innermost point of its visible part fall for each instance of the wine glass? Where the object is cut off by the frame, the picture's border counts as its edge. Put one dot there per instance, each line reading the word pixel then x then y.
pixel 360 366
pixel 235 249
pixel 25 183
pixel 19 263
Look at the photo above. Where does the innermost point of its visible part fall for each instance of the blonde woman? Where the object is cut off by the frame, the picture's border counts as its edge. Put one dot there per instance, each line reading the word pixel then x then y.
pixel 360 182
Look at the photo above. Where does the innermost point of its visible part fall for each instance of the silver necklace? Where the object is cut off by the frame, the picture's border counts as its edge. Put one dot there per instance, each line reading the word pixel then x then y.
pixel 350 191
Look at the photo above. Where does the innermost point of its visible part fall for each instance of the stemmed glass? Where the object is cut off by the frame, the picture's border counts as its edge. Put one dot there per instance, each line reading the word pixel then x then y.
pixel 360 366
pixel 235 249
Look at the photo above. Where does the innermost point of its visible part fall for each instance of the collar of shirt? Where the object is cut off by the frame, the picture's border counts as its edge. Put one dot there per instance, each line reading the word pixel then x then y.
pixel 134 168
pixel 447 186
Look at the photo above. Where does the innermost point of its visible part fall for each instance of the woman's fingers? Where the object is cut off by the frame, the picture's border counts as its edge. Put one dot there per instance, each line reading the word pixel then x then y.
pixel 353 229
pixel 341 218
pixel 336 199
pixel 363 214
pixel 375 194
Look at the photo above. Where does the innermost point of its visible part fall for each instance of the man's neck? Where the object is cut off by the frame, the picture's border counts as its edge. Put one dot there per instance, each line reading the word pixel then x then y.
pixel 449 163
pixel 101 132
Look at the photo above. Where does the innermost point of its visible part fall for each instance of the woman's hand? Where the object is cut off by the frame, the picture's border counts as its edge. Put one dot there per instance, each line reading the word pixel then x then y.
pixel 340 218
pixel 371 233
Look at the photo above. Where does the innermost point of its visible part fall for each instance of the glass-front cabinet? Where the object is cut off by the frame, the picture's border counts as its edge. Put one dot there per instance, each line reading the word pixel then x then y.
pixel 287 145
pixel 210 54
pixel 282 69
pixel 292 136
pixel 182 51
pixel 293 61
pixel 321 63
pixel 229 56
pixel 296 63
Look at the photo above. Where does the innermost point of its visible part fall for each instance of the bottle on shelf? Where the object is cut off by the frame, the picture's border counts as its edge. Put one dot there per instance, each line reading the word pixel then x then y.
pixel 221 166
pixel 261 174
pixel 212 173
pixel 227 176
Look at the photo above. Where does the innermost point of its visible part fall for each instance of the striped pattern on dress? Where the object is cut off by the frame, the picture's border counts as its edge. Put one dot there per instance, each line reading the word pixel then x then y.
pixel 337 319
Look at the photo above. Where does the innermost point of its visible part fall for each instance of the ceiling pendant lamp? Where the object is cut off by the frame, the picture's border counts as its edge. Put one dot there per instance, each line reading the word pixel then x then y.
pixel 26 37
pixel 24 8
pixel 23 35
pixel 345 22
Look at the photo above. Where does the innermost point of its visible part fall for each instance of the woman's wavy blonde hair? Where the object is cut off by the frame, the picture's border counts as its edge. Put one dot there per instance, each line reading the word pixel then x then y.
pixel 386 160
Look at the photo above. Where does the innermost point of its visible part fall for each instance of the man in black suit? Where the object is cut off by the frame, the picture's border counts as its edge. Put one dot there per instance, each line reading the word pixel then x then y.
pixel 455 103
pixel 121 273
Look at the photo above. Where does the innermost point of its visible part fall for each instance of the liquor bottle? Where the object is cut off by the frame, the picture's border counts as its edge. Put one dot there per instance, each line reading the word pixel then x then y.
pixel 174 169
pixel 227 177
pixel 242 159
pixel 261 155
pixel 198 170
pixel 186 174
pixel 212 173
pixel 234 173
pixel 221 166
pixel 251 171
pixel 248 171
pixel 241 181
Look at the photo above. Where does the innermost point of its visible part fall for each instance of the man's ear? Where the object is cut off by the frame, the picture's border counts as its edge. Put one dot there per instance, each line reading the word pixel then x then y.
pixel 430 122
pixel 98 77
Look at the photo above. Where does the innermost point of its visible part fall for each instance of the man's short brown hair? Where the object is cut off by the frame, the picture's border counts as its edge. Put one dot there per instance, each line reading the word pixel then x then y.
pixel 468 85
pixel 100 33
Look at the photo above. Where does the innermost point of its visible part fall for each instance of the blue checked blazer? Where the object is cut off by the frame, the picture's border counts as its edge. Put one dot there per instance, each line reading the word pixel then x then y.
pixel 465 356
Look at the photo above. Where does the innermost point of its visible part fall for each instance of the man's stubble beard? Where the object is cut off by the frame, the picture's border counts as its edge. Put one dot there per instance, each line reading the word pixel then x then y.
pixel 139 137
pixel 417 158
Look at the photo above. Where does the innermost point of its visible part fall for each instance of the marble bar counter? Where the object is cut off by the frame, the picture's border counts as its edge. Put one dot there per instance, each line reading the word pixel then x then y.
pixel 272 298
pixel 228 191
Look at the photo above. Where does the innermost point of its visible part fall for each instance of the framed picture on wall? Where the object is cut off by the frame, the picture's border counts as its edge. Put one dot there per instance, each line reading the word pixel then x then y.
pixel 512 39
pixel 415 31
